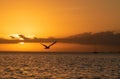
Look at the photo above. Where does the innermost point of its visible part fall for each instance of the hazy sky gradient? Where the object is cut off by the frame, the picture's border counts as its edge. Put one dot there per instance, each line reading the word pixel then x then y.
pixel 58 18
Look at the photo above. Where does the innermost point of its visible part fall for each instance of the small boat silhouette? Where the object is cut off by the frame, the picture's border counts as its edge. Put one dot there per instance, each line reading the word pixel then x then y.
pixel 48 47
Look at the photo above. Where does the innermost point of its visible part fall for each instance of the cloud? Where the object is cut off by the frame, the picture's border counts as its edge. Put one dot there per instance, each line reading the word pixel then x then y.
pixel 24 37
pixel 6 41
pixel 100 38
pixel 12 37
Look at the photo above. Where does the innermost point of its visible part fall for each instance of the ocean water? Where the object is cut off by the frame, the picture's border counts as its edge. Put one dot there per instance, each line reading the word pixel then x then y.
pixel 59 47
pixel 59 66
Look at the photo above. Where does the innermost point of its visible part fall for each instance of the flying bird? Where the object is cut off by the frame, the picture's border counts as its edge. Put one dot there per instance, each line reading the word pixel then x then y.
pixel 48 47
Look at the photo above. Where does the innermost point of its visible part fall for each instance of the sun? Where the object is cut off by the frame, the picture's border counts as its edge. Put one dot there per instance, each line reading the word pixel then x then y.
pixel 22 43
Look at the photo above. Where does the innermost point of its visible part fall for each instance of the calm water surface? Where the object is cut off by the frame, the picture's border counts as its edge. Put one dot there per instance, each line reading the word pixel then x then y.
pixel 58 47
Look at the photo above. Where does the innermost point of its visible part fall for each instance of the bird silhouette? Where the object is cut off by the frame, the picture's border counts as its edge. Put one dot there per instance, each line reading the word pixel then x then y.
pixel 48 47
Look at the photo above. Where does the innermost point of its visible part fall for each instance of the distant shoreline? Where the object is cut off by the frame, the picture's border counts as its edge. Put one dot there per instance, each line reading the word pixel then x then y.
pixel 37 52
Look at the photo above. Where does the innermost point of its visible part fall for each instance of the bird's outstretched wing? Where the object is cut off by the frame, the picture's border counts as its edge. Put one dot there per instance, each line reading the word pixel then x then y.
pixel 44 45
pixel 52 44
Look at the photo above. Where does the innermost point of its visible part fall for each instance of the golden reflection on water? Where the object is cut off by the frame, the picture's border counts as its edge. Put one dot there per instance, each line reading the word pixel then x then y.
pixel 58 47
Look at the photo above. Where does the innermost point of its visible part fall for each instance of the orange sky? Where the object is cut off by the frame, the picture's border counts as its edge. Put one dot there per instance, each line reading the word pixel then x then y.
pixel 58 18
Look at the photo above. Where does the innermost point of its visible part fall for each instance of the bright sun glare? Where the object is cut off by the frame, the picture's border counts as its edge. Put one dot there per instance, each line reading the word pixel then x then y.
pixel 17 36
pixel 21 43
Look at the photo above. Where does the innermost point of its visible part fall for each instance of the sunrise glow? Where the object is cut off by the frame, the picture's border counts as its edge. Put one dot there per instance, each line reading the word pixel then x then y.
pixel 21 43
pixel 16 36
pixel 45 18
pixel 59 39
pixel 37 20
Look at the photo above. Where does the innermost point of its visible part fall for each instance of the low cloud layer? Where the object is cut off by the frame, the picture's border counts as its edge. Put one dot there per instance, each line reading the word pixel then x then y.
pixel 101 38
